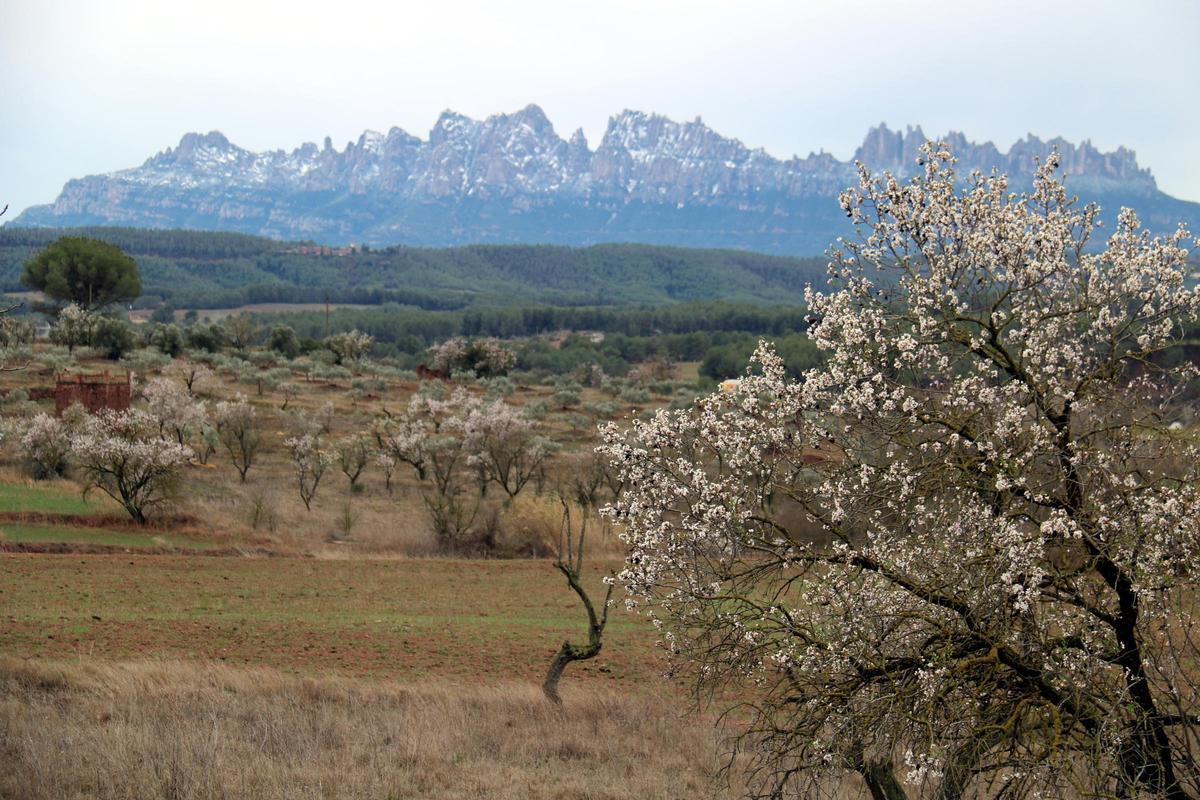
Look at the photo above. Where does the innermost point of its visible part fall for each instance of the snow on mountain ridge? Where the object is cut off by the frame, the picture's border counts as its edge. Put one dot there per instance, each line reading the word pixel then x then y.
pixel 648 176
pixel 641 155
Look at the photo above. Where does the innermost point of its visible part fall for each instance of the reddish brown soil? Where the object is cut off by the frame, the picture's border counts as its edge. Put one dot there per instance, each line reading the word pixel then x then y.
pixel 473 620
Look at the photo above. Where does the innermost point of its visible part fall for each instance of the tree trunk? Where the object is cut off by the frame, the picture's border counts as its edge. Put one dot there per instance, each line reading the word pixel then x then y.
pixel 878 773
pixel 881 780
pixel 570 564
pixel 965 762
pixel 565 655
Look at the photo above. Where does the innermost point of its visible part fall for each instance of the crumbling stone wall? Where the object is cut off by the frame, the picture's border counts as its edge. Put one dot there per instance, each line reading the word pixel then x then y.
pixel 93 392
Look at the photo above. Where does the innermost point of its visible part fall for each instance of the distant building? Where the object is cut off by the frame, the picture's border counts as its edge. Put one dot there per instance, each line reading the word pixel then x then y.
pixel 325 250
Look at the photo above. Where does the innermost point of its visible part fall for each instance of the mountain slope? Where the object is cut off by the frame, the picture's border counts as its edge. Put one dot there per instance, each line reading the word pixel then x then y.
pixel 512 179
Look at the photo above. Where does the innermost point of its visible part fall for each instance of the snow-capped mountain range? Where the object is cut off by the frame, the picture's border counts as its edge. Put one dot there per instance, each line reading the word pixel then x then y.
pixel 512 178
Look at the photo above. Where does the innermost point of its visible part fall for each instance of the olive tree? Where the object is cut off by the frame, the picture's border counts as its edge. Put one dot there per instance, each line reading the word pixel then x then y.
pixel 349 347
pixel 962 557
pixel 241 330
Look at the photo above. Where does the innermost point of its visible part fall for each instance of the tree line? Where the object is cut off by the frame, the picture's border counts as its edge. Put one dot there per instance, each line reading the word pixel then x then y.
pixel 195 269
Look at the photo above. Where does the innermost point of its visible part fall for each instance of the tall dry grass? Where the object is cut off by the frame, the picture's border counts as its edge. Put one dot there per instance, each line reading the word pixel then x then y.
pixel 180 731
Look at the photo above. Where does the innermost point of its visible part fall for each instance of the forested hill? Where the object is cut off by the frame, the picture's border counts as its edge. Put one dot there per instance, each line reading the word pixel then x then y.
pixel 196 269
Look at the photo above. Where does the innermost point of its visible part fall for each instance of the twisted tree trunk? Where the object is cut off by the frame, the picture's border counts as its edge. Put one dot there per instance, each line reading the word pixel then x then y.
pixel 570 564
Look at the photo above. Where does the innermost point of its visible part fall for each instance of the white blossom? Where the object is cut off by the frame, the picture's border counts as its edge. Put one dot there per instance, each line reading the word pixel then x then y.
pixel 970 526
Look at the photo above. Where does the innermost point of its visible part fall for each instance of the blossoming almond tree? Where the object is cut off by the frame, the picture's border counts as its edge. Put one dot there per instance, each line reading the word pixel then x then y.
pixel 309 461
pixel 6 325
pixel 46 443
pixel 121 454
pixel 485 357
pixel 74 327
pixel 171 405
pixel 195 375
pixel 353 452
pixel 962 557
pixel 504 445
pixel 406 437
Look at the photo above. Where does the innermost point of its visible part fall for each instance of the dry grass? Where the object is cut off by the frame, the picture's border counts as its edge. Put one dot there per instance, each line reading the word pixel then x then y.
pixel 184 731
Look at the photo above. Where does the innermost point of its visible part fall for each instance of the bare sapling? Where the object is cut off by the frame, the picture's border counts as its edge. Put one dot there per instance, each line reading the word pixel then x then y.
pixel 570 563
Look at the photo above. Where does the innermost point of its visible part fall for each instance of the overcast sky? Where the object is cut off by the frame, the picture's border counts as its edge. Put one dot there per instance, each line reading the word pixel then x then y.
pixel 90 87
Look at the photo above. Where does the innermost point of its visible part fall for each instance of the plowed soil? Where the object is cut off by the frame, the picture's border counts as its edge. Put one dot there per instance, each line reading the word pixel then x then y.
pixel 464 620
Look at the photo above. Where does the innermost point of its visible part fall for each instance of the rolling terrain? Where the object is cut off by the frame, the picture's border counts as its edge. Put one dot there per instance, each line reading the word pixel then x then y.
pixel 192 269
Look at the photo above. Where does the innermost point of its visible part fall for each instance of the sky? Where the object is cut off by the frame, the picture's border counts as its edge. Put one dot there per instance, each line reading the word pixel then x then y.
pixel 88 86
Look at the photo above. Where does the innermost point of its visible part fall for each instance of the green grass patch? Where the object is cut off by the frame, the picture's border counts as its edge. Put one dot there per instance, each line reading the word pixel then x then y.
pixel 100 536
pixel 45 500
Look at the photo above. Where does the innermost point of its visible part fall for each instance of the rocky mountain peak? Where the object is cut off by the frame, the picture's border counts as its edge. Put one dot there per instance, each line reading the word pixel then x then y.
pixel 646 137
pixel 883 148
pixel 650 178
pixel 531 115
pixel 451 125
pixel 194 141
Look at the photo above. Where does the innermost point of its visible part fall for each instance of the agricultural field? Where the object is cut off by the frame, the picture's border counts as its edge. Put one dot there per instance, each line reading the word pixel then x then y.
pixel 337 651
pixel 479 621
pixel 354 677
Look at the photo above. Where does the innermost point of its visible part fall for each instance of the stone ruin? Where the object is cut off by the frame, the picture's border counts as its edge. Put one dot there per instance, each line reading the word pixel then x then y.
pixel 93 392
